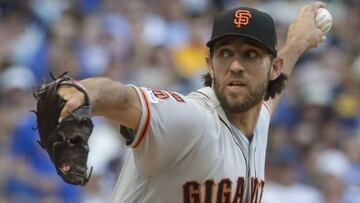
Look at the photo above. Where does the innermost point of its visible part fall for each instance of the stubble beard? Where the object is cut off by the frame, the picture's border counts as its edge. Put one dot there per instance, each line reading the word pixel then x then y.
pixel 254 96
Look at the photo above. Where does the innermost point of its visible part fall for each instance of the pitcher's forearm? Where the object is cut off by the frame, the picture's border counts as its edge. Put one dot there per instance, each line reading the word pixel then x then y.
pixel 290 54
pixel 101 93
pixel 302 35
pixel 111 99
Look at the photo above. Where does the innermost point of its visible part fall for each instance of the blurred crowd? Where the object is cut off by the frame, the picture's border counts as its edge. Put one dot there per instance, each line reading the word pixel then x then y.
pixel 314 140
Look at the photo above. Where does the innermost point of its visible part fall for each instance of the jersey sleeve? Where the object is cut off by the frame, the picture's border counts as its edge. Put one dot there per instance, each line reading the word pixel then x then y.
pixel 170 126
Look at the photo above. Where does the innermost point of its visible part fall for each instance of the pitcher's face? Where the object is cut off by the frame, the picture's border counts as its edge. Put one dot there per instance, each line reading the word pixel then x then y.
pixel 240 69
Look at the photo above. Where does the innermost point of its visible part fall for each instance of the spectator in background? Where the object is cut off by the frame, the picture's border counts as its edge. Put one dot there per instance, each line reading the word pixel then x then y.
pixel 106 148
pixel 92 52
pixel 284 186
pixel 332 166
pixel 158 63
pixel 167 26
pixel 31 176
pixel 14 100
pixel 351 147
pixel 189 57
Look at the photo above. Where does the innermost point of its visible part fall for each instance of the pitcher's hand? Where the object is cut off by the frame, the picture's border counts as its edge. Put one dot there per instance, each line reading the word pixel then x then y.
pixel 303 31
pixel 74 98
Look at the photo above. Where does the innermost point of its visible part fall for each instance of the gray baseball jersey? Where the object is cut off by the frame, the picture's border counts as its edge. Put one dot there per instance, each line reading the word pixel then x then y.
pixel 186 150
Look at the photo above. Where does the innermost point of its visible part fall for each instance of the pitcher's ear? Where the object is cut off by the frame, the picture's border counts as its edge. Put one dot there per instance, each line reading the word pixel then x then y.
pixel 209 65
pixel 276 68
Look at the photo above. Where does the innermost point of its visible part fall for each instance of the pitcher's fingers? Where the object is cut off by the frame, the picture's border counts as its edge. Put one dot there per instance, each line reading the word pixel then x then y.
pixel 313 7
pixel 318 4
pixel 317 39
pixel 70 106
pixel 66 92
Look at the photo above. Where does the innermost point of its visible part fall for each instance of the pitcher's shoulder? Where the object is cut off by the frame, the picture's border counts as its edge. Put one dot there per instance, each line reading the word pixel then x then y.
pixel 205 97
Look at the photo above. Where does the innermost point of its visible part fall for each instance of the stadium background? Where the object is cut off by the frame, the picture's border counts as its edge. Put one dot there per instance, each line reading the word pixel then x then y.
pixel 314 144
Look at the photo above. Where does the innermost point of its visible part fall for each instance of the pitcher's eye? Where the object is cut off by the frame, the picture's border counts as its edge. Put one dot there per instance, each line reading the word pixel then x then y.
pixel 225 53
pixel 250 54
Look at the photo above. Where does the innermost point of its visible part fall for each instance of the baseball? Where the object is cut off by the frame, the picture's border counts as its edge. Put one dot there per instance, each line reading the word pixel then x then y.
pixel 323 20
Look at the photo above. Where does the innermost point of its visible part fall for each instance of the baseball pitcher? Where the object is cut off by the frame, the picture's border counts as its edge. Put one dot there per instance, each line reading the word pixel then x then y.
pixel 210 145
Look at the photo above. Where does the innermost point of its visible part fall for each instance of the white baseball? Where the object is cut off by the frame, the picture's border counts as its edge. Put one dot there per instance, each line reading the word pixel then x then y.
pixel 323 20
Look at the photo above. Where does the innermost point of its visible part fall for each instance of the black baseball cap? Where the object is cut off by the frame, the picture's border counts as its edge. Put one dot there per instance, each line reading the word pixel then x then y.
pixel 245 22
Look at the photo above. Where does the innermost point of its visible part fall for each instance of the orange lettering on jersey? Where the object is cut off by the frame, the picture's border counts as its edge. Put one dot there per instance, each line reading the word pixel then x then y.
pixel 160 94
pixel 177 97
pixel 242 17
pixel 164 95
pixel 192 192
pixel 240 189
pixel 257 188
pixel 224 191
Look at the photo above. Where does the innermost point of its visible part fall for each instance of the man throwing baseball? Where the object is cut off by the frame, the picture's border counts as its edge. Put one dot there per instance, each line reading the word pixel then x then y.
pixel 209 146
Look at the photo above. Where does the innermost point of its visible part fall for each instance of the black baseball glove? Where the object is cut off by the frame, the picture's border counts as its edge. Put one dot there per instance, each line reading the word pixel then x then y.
pixel 65 142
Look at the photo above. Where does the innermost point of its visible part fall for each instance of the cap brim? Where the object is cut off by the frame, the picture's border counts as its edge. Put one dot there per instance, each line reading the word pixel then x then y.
pixel 212 42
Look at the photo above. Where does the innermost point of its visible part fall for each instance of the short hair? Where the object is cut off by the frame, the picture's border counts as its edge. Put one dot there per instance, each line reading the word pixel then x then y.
pixel 275 87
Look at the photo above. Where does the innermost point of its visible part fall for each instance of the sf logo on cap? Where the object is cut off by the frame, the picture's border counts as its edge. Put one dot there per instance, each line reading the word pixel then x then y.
pixel 242 17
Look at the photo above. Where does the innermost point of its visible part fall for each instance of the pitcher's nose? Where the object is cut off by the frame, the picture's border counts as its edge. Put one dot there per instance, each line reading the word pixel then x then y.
pixel 236 66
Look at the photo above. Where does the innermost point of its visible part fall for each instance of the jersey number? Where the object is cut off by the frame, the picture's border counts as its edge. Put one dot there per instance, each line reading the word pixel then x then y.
pixel 164 95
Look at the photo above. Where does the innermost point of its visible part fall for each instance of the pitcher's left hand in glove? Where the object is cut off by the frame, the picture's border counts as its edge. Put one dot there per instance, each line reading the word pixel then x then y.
pixel 66 142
